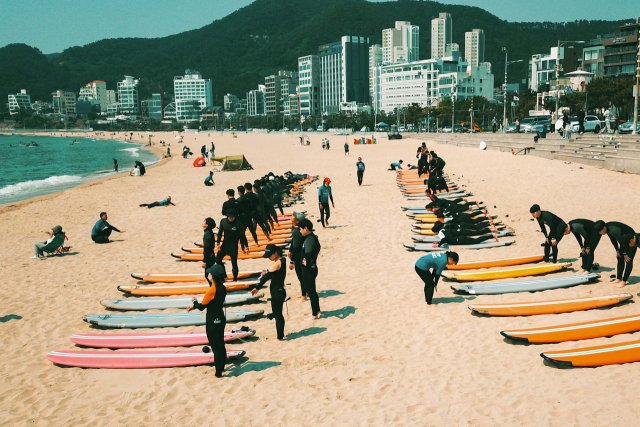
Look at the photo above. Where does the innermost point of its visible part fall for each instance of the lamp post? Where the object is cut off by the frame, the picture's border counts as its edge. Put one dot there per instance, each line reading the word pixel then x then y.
pixel 637 89
pixel 559 69
pixel 506 64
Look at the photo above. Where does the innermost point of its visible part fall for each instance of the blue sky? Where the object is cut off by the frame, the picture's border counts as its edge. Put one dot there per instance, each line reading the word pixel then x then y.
pixel 53 25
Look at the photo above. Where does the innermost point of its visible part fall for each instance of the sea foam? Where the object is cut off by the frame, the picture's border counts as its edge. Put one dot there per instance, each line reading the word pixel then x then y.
pixel 29 186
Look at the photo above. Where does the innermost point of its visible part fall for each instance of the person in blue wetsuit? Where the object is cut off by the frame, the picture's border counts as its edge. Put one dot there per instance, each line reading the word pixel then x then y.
pixel 102 229
pixel 430 268
pixel 360 167
pixel 324 195
pixel 165 202
pixel 208 181
pixel 396 165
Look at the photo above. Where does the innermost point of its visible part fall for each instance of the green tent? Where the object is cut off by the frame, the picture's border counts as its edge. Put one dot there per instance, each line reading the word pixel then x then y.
pixel 233 163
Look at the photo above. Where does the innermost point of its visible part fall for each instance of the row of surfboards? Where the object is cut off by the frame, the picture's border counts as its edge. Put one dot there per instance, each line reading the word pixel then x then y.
pixel 166 285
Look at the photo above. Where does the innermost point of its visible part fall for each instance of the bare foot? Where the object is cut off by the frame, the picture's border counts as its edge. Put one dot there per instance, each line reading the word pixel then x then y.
pixel 312 318
pixel 615 281
pixel 303 299
pixel 495 236
pixel 620 284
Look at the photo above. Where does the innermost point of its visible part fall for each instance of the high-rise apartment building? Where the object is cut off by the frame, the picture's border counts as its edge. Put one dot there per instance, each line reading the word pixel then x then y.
pixel 192 95
pixel 440 35
pixel 474 47
pixel 19 101
pixel 400 44
pixel 621 50
pixel 309 84
pixel 157 104
pixel 231 102
pixel 256 105
pixel 128 100
pixel 64 102
pixel 96 93
pixel 344 72
pixel 273 90
pixel 288 87
pixel 375 59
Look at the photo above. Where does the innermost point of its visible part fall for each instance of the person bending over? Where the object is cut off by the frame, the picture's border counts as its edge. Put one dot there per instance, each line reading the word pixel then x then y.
pixel 591 232
pixel 102 229
pixel 276 274
pixel 208 181
pixel 430 267
pixel 165 202
pixel 557 229
pixel 621 238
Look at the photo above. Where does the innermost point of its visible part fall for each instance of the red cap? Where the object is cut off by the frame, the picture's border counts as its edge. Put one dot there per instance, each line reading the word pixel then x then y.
pixel 327 179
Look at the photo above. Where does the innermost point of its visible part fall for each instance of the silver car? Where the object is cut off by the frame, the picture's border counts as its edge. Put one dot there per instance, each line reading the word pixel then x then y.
pixel 591 124
pixel 627 127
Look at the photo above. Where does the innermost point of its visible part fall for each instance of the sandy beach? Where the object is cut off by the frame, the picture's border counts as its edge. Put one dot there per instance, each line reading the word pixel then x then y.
pixel 379 356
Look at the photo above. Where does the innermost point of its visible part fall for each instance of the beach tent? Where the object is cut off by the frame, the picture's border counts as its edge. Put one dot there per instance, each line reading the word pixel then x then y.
pixel 233 163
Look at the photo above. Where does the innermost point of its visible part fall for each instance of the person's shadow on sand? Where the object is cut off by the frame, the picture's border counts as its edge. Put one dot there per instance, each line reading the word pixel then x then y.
pixel 329 293
pixel 342 313
pixel 449 300
pixel 305 333
pixel 8 317
pixel 241 367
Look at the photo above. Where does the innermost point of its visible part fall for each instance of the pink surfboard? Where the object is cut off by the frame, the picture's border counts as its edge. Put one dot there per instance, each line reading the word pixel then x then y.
pixel 172 339
pixel 135 359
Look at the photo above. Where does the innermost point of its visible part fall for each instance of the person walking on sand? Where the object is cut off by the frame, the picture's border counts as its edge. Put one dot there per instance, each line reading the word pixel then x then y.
pixel 208 245
pixel 324 195
pixel 324 143
pixel 430 267
pixel 233 232
pixel 102 229
pixel 309 256
pixel 276 274
pixel 346 148
pixel 557 229
pixel 360 167
pixel 295 251
pixel 213 301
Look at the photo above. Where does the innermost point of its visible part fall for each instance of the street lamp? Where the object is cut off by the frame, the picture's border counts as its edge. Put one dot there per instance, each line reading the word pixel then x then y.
pixel 558 68
pixel 506 64
pixel 636 90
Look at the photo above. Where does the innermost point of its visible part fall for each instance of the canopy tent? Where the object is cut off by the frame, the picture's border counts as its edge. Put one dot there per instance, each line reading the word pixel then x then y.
pixel 233 163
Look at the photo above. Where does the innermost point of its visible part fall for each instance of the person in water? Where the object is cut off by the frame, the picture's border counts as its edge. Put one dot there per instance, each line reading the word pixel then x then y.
pixel 557 229
pixel 430 267
pixel 276 274
pixel 213 301
pixel 324 195
pixel 102 229
pixel 115 165
pixel 165 202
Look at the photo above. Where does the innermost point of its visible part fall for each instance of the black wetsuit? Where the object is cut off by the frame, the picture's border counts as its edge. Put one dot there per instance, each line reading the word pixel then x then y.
pixel 295 258
pixel 257 212
pixel 310 251
pixel 278 294
pixel 101 231
pixel 233 233
pixel 216 320
pixel 360 171
pixel 244 206
pixel 457 230
pixel 423 164
pixel 230 204
pixel 208 244
pixel 450 239
pixel 557 228
pixel 584 229
pixel 615 231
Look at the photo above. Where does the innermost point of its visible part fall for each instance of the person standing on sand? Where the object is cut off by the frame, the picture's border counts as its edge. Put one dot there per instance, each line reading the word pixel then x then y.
pixel 115 165
pixel 430 268
pixel 360 167
pixel 309 257
pixel 324 194
pixel 295 251
pixel 208 244
pixel 233 232
pixel 102 229
pixel 346 148
pixel 243 207
pixel 557 229
pixel 276 273
pixel 213 301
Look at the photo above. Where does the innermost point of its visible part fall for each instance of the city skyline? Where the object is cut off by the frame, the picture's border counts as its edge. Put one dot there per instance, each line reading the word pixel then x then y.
pixel 152 19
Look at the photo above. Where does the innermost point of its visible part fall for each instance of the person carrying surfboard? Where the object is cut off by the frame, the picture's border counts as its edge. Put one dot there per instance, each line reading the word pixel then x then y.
pixel 557 230
pixel 213 301
pixel 276 274
pixel 430 267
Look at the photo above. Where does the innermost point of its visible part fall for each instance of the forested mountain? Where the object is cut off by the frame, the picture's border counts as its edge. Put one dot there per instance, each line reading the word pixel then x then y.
pixel 238 51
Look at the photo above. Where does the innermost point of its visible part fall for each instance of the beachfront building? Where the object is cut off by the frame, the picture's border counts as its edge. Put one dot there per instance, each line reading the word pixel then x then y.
pixel 593 57
pixel 441 30
pixel 428 81
pixel 400 44
pixel 96 93
pixel 231 102
pixel 375 59
pixel 273 90
pixel 288 86
pixel 64 102
pixel 156 105
pixel 474 47
pixel 542 67
pixel 621 50
pixel 169 111
pixel 19 101
pixel 256 105
pixel 291 106
pixel 192 94
pixel 452 50
pixel 309 84
pixel 128 100
pixel 344 73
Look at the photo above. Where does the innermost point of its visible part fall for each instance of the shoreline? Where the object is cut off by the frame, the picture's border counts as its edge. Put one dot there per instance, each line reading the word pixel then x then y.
pixel 14 206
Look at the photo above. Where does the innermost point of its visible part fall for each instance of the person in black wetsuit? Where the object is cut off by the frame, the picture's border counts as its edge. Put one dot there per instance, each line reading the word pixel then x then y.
pixel 295 251
pixel 447 237
pixel 262 205
pixel 591 232
pixel 243 208
pixel 231 202
pixel 208 244
pixel 621 236
pixel 276 273
pixel 557 230
pixel 213 301
pixel 233 231
pixel 310 250
pixel 460 229
pixel 256 208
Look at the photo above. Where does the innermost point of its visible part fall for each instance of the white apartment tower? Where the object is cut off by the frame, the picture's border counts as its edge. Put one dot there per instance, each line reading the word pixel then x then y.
pixel 309 84
pixel 375 59
pixel 474 47
pixel 400 44
pixel 192 94
pixel 440 35
pixel 96 93
pixel 256 104
pixel 128 100
pixel 19 101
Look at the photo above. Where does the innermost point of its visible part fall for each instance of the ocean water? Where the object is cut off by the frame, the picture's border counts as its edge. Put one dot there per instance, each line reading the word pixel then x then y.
pixel 58 164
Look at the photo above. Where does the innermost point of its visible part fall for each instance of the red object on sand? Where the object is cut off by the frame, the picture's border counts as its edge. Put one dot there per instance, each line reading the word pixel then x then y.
pixel 199 162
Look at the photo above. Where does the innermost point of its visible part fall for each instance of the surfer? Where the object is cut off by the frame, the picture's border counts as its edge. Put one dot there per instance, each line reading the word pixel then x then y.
pixel 209 243
pixel 295 260
pixel 622 236
pixel 591 232
pixel 243 207
pixel 256 218
pixel 276 273
pixel 360 166
pixel 165 202
pixel 324 194
pixel 557 229
pixel 102 229
pixel 309 256
pixel 430 267
pixel 115 165
pixel 213 301
pixel 231 202
pixel 233 231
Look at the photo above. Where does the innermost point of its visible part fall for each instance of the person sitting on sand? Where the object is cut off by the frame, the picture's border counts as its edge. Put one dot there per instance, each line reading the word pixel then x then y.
pixel 165 202
pixel 208 181
pixel 396 165
pixel 102 229
pixel 55 240
pixel 135 171
pixel 430 267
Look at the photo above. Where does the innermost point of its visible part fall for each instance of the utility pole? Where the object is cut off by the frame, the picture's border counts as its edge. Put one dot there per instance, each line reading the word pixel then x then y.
pixel 637 88
pixel 504 101
pixel 453 110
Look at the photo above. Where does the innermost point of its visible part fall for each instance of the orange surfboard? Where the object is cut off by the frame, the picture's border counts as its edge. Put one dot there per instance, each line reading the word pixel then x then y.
pixel 609 354
pixel 532 308
pixel 200 257
pixel 187 277
pixel 182 288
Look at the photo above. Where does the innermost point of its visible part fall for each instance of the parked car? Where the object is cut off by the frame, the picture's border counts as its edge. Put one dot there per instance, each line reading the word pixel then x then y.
pixel 543 126
pixel 591 124
pixel 527 122
pixel 446 129
pixel 627 127
pixel 511 128
pixel 458 129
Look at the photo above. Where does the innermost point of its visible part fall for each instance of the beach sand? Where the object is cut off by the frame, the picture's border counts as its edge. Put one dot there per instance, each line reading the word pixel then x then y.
pixel 379 356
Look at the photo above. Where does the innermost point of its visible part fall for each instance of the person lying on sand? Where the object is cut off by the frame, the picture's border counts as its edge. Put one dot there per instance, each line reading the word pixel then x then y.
pixel 165 202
